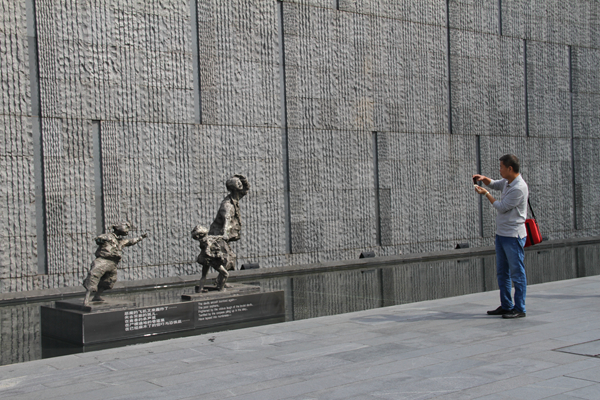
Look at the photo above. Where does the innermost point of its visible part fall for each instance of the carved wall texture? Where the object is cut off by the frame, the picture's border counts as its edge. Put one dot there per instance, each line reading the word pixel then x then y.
pixel 358 123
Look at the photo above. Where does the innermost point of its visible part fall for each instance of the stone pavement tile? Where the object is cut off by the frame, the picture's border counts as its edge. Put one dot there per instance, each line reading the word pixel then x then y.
pixel 583 363
pixel 590 374
pixel 306 368
pixel 446 368
pixel 556 357
pixel 127 363
pixel 588 392
pixel 547 388
pixel 52 393
pixel 467 335
pixel 265 340
pixel 251 388
pixel 561 316
pixel 111 391
pixel 67 362
pixel 318 352
pixel 244 355
pixel 466 351
pixel 428 388
pixel 510 368
pixel 332 331
pixel 150 372
pixel 354 336
pixel 495 396
pixel 196 389
pixel 290 326
pixel 360 388
pixel 581 337
pixel 170 377
pixel 591 348
pixel 424 351
pixel 532 337
pixel 13 391
pixel 59 377
pixel 37 367
pixel 461 307
pixel 378 316
pixel 496 387
pixel 532 323
pixel 372 352
pixel 369 371
pixel 297 389
pixel 299 346
pixel 562 397
pixel 530 350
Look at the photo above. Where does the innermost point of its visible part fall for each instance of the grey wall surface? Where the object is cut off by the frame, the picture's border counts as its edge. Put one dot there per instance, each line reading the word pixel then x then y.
pixel 358 123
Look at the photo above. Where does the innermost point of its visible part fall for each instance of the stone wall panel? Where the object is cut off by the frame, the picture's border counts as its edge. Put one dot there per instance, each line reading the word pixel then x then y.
pixel 69 194
pixel 410 73
pixel 429 177
pixel 329 66
pixel 111 62
pixel 587 203
pixel 331 190
pixel 572 22
pixel 586 92
pixel 426 12
pixel 487 84
pixel 548 97
pixel 474 15
pixel 239 62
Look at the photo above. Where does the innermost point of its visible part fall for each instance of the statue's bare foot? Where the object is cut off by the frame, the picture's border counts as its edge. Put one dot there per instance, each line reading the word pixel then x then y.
pixel 98 298
pixel 227 285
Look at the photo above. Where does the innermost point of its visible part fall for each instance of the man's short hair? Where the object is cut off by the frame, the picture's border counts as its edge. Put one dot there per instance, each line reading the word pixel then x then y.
pixel 510 160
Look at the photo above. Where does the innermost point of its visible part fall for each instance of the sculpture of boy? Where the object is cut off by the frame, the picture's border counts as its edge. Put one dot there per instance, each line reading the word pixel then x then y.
pixel 226 227
pixel 103 272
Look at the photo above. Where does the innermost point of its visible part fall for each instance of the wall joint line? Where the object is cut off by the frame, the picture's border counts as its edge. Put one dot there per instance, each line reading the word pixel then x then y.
pixel 38 142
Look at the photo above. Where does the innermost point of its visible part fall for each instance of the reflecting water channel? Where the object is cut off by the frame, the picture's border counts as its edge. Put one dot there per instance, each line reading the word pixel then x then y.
pixel 319 294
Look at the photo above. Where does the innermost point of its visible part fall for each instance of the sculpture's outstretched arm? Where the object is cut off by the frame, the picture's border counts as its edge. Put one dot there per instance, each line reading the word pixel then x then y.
pixel 131 242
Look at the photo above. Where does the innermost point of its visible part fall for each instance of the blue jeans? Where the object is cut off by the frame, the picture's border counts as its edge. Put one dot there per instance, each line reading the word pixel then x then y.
pixel 510 267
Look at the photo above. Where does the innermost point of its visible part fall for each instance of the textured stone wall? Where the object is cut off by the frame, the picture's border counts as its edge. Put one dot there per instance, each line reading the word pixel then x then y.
pixel 357 122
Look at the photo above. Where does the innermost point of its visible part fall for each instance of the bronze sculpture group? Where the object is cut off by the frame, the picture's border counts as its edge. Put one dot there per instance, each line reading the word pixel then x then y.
pixel 215 251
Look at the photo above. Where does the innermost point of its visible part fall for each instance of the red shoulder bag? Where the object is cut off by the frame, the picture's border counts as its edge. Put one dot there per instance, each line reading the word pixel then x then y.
pixel 533 231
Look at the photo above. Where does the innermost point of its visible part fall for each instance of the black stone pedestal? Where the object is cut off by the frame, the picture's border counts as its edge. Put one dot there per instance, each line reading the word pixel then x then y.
pixel 109 321
pixel 110 324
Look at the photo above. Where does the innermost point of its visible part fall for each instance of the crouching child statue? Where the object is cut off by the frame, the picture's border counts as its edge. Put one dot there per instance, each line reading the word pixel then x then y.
pixel 103 272
pixel 216 253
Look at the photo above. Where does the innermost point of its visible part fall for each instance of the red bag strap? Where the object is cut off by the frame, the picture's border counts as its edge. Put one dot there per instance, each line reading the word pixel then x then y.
pixel 529 203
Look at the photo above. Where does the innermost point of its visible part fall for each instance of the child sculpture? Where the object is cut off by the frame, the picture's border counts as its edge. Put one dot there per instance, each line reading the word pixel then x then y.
pixel 214 243
pixel 103 272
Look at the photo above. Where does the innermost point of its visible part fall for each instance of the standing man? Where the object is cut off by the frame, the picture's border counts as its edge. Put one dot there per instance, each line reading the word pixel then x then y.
pixel 510 234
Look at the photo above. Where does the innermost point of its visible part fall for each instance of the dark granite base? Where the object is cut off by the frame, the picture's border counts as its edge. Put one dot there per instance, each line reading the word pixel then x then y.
pixel 72 322
pixel 94 306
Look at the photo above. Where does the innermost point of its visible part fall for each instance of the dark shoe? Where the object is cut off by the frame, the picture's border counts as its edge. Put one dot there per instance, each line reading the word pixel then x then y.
pixel 499 311
pixel 514 314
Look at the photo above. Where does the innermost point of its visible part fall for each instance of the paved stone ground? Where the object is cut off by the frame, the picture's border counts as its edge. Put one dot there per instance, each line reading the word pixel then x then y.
pixel 442 349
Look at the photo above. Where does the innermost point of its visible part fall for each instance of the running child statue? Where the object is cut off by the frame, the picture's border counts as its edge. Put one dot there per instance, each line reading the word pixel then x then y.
pixel 214 243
